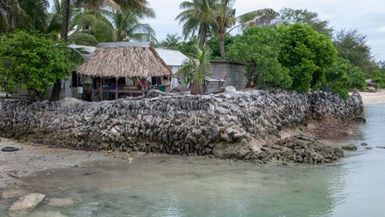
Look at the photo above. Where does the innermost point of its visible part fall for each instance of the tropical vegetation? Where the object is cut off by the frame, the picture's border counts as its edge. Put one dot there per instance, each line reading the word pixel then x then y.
pixel 33 62
pixel 195 69
pixel 84 22
pixel 290 49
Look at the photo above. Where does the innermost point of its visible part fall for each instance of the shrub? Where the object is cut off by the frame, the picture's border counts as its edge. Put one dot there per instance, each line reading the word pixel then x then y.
pixel 259 49
pixel 32 61
pixel 307 55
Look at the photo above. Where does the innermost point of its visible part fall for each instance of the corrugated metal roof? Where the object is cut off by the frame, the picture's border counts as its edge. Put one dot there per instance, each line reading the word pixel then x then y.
pixel 87 49
pixel 172 57
pixel 124 44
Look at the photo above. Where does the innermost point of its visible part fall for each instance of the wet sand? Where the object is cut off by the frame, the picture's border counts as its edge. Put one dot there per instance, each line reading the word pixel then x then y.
pixel 32 158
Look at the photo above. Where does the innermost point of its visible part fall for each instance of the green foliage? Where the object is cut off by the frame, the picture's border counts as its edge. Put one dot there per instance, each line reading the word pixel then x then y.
pixel 307 54
pixel 356 78
pixel 378 76
pixel 213 44
pixel 260 48
pixel 196 17
pixel 294 57
pixel 32 62
pixel 261 17
pixel 83 39
pixel 23 14
pixel 352 46
pixel 338 77
pixel 195 69
pixel 129 28
pixel 292 16
pixel 171 42
pixel 188 48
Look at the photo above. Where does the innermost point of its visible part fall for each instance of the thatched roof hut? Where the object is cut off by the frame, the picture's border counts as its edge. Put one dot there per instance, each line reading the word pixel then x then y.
pixel 124 59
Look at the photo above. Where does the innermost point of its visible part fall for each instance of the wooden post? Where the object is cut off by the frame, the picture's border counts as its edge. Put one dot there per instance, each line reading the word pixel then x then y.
pixel 101 89
pixel 116 83
pixel 92 89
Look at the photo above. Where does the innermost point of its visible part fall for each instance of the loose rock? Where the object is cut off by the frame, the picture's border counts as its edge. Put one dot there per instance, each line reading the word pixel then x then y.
pixel 27 203
pixel 349 147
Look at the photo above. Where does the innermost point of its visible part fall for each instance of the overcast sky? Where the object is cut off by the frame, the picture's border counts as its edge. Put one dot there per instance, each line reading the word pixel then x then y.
pixel 367 16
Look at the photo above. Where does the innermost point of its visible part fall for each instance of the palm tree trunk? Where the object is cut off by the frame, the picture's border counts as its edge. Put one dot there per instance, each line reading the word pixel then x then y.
pixel 196 88
pixel 222 45
pixel 64 35
pixel 66 20
pixel 202 36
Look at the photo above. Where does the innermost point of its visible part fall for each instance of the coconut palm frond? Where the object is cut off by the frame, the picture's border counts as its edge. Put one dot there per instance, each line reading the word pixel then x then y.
pixel 197 17
pixel 262 17
pixel 82 38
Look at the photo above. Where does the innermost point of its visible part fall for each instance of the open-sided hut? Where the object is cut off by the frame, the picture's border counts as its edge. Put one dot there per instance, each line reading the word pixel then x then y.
pixel 125 69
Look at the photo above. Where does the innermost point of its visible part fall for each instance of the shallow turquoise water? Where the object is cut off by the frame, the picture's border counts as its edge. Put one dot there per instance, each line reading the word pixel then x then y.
pixel 180 187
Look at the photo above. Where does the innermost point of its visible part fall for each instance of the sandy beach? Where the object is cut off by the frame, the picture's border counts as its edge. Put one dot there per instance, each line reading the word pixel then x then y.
pixel 370 98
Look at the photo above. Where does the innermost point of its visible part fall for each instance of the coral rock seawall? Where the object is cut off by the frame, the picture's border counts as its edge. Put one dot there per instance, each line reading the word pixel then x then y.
pixel 227 125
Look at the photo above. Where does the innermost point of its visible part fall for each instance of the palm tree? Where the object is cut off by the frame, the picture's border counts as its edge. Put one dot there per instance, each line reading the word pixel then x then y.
pixel 62 16
pixel 36 14
pixel 9 12
pixel 23 14
pixel 224 15
pixel 197 18
pixel 171 41
pixel 94 23
pixel 128 27
pixel 139 5
pixel 66 19
pixel 195 69
pixel 112 20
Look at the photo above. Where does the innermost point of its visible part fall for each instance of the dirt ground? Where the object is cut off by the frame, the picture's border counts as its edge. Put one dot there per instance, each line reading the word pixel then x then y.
pixel 32 158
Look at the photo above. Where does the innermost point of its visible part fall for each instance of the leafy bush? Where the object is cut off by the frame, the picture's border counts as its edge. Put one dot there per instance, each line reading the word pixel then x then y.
pixel 307 55
pixel 296 57
pixel 357 79
pixel 32 62
pixel 259 49
pixel 378 77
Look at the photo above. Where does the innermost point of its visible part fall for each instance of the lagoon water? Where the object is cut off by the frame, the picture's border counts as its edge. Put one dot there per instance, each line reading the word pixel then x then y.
pixel 180 187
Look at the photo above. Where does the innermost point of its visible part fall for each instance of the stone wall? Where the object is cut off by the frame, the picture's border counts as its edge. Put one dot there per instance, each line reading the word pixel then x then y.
pixel 229 125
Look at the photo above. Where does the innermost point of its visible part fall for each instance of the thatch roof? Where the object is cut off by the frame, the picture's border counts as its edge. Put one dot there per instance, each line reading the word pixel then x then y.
pixel 123 59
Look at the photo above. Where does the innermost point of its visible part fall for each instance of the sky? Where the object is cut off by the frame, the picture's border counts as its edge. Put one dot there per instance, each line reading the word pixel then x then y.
pixel 367 16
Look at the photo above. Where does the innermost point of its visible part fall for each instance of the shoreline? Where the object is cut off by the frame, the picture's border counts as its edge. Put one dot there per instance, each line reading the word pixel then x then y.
pixel 373 98
pixel 34 158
